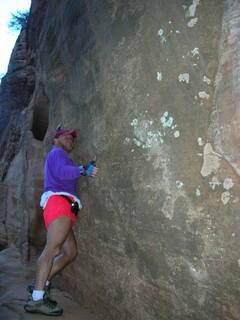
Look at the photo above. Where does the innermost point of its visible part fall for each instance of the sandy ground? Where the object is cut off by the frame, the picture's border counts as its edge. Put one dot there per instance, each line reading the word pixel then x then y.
pixel 14 277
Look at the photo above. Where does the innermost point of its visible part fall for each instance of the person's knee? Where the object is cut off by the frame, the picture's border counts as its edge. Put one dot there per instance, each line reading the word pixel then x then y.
pixel 52 251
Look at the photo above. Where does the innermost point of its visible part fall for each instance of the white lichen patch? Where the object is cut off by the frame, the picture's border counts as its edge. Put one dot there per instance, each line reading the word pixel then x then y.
pixel 134 123
pixel 144 135
pixel 126 140
pixel 225 197
pixel 215 183
pixel 176 134
pixel 211 161
pixel 179 184
pixel 200 141
pixel 195 52
pixel 192 22
pixel 162 36
pixel 192 9
pixel 207 80
pixel 228 183
pixel 159 76
pixel 147 124
pixel 184 77
pixel 198 275
pixel 148 133
pixel 160 32
pixel 197 270
pixel 198 192
pixel 137 142
pixel 166 120
pixel 203 95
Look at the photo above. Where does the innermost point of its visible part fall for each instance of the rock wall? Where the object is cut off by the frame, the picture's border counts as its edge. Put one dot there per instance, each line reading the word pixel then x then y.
pixel 152 89
pixel 21 167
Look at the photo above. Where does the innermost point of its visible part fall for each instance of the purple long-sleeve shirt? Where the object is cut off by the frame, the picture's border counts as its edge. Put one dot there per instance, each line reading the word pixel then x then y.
pixel 60 175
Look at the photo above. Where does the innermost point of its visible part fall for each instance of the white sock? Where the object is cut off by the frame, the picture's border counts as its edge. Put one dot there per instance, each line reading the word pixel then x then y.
pixel 47 283
pixel 37 295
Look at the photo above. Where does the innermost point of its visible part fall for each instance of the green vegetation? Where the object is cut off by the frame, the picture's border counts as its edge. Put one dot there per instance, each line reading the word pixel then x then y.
pixel 18 20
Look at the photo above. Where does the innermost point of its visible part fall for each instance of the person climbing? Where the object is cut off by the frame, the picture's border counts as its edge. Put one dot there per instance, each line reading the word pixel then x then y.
pixel 60 202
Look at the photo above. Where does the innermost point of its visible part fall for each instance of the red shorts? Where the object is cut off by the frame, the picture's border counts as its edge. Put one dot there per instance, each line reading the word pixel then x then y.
pixel 56 207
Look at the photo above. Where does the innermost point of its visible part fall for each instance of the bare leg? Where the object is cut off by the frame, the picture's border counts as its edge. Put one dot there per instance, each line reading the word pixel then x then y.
pixel 58 232
pixel 67 255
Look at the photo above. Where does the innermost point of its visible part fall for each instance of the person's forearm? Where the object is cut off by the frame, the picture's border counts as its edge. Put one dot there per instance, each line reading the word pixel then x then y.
pixel 68 172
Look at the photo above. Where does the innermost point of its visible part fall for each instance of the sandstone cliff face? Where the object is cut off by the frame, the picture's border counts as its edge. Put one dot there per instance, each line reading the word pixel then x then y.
pixel 152 88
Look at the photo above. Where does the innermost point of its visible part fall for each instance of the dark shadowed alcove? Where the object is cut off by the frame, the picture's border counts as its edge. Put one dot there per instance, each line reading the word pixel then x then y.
pixel 40 116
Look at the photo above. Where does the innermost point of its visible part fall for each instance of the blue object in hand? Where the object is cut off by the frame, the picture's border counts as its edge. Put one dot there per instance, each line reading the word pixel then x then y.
pixel 89 169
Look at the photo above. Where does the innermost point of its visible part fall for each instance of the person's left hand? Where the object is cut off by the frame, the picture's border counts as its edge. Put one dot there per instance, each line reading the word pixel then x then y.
pixel 92 171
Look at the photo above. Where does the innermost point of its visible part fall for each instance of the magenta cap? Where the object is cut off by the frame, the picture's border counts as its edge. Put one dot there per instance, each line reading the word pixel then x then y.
pixel 73 133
